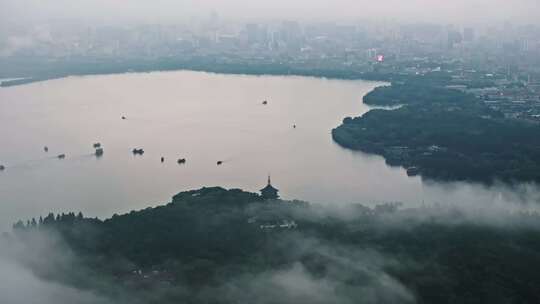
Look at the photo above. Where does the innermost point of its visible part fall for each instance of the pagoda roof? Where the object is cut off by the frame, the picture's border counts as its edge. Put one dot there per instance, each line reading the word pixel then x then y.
pixel 269 187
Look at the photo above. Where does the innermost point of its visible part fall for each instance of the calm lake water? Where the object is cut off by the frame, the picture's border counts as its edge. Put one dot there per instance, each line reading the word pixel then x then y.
pixel 204 118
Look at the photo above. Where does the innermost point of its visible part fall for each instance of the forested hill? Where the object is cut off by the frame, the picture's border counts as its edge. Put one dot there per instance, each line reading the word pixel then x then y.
pixel 444 134
pixel 229 246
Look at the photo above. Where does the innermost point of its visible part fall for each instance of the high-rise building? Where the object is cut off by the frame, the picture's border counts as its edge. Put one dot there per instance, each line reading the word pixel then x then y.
pixel 291 34
pixel 371 54
pixel 252 33
pixel 468 34
pixel 454 37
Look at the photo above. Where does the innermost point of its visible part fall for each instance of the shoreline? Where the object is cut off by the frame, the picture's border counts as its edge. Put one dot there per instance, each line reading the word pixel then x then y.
pixel 30 80
pixel 245 70
pixel 61 70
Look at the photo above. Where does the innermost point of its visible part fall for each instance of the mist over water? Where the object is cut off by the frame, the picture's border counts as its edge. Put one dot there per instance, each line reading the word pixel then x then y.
pixel 204 118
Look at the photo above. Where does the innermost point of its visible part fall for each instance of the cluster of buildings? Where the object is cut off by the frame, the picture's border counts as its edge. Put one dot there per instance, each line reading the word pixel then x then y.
pixel 500 63
pixel 348 42
pixel 516 95
pixel 515 99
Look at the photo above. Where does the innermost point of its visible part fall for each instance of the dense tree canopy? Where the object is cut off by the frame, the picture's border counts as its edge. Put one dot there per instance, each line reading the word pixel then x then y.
pixel 444 134
pixel 226 246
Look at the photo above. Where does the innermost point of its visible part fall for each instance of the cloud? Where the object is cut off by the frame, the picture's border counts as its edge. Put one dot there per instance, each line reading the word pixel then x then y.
pixel 19 283
pixel 296 266
pixel 321 273
pixel 37 269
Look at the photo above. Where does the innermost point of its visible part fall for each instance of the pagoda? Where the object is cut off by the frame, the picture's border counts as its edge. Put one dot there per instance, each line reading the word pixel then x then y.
pixel 269 192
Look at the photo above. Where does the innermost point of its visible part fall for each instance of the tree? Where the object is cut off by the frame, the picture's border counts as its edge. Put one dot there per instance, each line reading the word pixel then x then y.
pixel 19 225
pixel 49 219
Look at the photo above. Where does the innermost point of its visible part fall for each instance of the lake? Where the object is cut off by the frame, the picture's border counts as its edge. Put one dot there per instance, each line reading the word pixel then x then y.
pixel 204 118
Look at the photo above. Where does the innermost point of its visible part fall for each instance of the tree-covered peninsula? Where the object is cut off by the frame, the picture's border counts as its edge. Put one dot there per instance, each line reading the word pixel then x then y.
pixel 229 246
pixel 443 134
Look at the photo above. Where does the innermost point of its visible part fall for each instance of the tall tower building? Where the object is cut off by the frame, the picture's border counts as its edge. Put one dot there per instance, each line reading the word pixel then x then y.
pixel 468 34
pixel 269 192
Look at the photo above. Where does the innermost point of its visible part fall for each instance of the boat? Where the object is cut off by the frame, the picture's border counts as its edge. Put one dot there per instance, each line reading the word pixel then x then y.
pixel 138 151
pixel 99 152
pixel 181 161
pixel 97 145
pixel 219 163
pixel 46 149
pixel 265 102
pixel 162 159
pixel 61 156
pixel 2 168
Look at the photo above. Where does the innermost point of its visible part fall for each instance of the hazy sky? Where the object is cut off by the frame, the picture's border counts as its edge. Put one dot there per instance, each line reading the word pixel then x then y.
pixel 462 11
